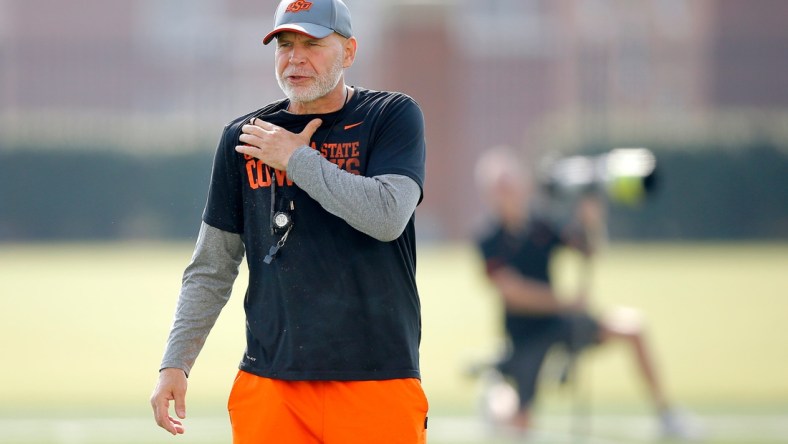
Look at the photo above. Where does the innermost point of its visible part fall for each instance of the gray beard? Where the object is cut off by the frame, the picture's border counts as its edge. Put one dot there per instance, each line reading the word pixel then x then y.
pixel 323 85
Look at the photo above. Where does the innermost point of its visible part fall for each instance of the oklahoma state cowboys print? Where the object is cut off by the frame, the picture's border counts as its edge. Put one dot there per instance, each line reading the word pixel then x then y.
pixel 345 155
pixel 298 6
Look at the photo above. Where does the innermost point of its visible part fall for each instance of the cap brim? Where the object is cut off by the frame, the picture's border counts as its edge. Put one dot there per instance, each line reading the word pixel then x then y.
pixel 308 29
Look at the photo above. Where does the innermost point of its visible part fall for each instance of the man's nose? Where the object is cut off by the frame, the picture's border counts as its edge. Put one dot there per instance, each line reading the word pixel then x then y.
pixel 296 55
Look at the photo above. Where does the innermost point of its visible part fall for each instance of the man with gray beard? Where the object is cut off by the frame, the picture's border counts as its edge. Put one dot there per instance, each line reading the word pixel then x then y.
pixel 319 191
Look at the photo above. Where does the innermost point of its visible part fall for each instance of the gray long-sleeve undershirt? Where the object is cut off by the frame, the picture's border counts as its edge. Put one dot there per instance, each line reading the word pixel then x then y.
pixel 207 284
pixel 377 206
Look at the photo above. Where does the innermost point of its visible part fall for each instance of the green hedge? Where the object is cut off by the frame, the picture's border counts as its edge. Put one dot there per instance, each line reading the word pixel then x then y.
pixel 702 193
pixel 100 195
pixel 716 194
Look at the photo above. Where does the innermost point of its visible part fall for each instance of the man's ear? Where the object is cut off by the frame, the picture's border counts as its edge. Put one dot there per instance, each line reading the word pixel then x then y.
pixel 350 47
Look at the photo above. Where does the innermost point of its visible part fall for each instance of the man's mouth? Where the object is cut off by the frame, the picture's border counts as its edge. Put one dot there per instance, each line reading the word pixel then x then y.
pixel 294 78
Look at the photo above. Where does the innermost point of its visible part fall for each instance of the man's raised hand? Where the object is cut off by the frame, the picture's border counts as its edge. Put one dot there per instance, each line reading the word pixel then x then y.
pixel 273 144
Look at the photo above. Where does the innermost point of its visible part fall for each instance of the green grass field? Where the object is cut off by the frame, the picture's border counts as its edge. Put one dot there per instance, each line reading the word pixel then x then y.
pixel 82 328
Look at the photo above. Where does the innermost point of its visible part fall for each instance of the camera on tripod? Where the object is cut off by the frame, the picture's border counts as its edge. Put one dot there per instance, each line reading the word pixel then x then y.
pixel 625 176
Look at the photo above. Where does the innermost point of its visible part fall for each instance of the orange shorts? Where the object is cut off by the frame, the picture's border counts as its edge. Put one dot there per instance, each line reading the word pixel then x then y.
pixel 264 411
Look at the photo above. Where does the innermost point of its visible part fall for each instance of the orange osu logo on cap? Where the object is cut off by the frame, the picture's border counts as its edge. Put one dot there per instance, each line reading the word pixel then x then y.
pixel 298 6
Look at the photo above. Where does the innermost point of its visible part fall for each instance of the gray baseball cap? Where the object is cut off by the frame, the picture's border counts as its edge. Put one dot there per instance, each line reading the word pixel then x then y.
pixel 315 18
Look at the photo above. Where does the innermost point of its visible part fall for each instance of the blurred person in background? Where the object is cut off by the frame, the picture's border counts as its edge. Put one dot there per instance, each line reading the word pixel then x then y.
pixel 517 252
pixel 319 191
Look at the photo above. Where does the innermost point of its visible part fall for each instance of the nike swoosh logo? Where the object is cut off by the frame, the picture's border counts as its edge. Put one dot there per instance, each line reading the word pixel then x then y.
pixel 353 125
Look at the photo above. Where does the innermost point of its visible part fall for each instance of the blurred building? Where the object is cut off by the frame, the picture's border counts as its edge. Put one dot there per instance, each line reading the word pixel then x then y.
pixel 149 74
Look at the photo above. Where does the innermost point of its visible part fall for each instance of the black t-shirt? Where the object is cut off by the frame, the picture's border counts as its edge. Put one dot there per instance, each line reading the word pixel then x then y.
pixel 335 303
pixel 528 251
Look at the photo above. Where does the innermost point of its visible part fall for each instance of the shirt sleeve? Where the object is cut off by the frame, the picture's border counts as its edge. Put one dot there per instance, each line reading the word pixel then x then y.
pixel 224 207
pixel 379 206
pixel 206 288
pixel 399 145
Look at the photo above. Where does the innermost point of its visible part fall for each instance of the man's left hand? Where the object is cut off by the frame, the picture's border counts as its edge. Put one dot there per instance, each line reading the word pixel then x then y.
pixel 273 144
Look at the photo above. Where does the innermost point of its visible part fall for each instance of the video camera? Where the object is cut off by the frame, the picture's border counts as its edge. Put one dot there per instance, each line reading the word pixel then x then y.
pixel 625 176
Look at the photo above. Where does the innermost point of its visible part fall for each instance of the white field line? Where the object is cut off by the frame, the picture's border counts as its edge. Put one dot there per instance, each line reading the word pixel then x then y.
pixel 604 429
pixel 614 429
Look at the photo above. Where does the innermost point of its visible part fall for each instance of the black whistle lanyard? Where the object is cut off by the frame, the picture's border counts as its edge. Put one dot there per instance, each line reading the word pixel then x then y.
pixel 282 221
